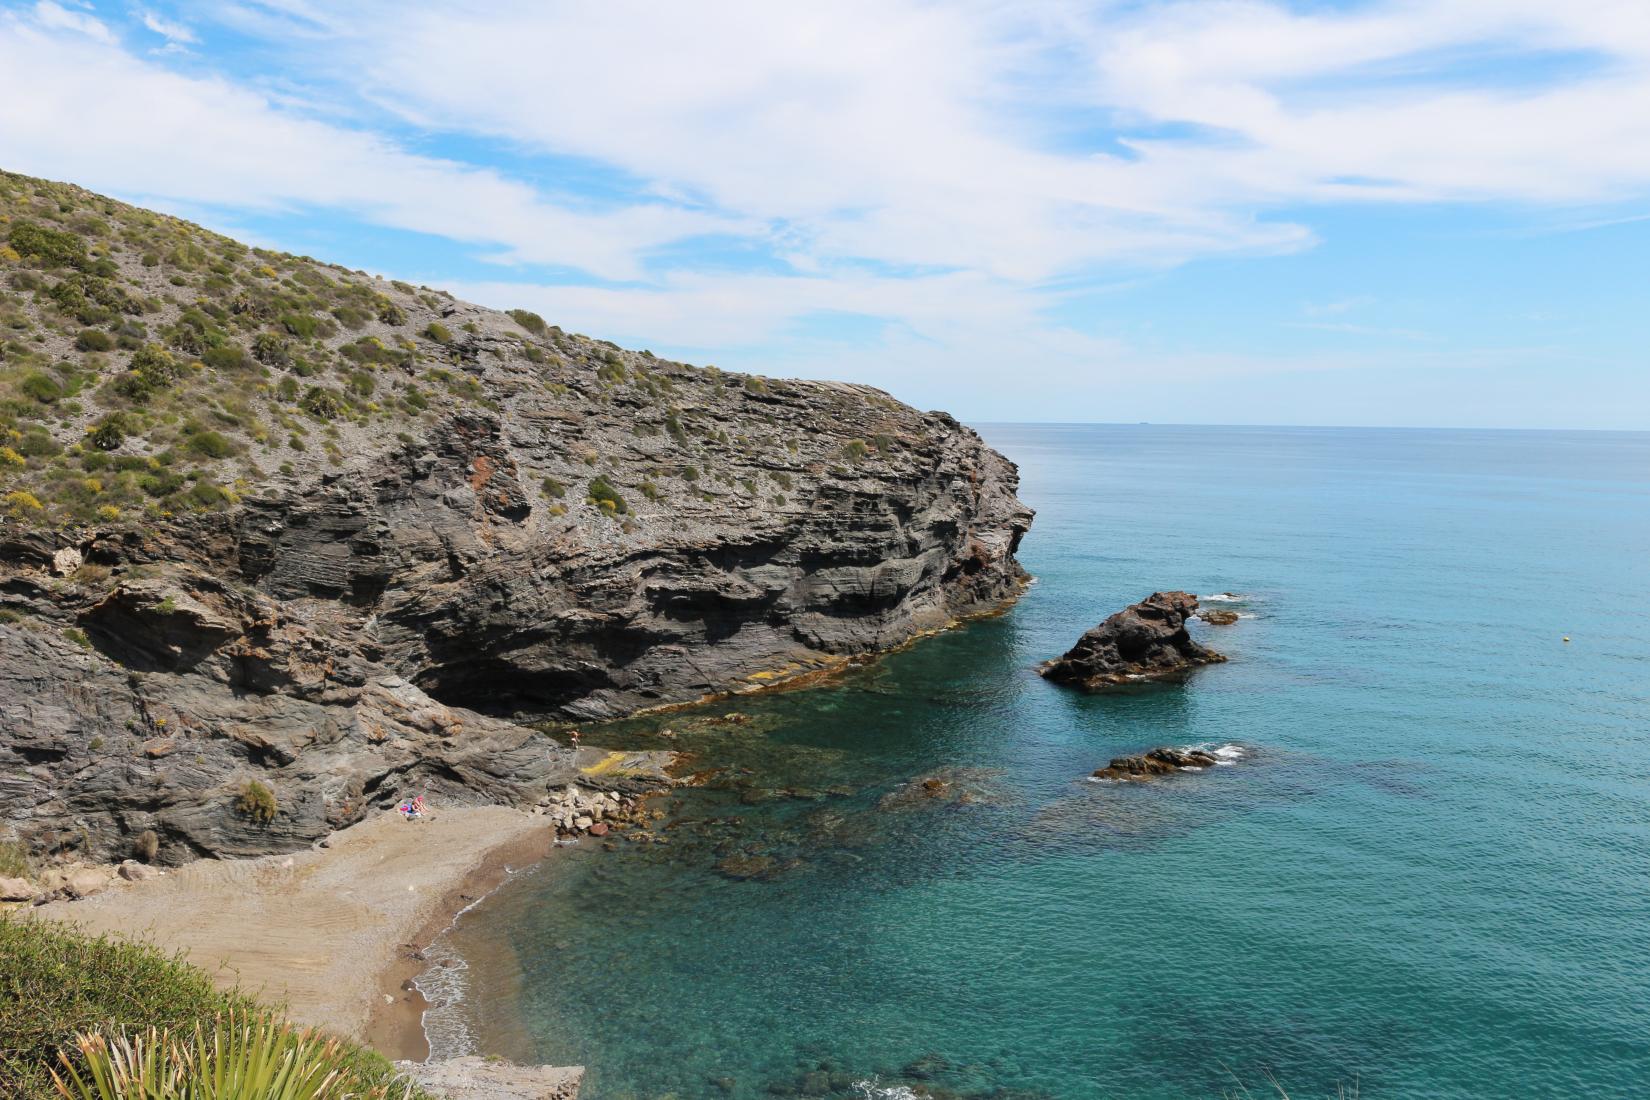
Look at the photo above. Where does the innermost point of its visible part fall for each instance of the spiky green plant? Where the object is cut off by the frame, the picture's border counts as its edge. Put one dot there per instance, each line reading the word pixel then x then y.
pixel 231 1058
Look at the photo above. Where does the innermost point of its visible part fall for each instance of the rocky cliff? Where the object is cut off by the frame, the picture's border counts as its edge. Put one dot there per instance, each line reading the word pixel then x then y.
pixel 282 541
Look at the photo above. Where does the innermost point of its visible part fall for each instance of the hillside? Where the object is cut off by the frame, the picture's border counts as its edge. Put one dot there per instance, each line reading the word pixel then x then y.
pixel 267 520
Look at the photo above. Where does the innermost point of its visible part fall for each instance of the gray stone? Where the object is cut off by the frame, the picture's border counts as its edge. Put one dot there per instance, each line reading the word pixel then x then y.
pixel 1144 641
pixel 132 871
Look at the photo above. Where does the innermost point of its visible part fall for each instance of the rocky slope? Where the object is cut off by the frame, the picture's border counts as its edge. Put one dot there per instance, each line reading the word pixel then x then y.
pixel 282 541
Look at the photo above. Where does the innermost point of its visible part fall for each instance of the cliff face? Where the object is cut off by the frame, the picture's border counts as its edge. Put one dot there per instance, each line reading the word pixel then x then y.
pixel 328 557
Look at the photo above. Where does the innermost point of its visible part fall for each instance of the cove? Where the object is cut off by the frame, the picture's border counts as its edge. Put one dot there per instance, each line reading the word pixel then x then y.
pixel 1427 874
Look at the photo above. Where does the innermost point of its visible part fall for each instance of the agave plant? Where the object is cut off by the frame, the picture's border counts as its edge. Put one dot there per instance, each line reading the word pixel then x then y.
pixel 232 1058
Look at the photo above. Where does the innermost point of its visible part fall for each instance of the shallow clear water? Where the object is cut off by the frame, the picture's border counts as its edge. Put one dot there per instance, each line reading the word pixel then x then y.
pixel 1430 877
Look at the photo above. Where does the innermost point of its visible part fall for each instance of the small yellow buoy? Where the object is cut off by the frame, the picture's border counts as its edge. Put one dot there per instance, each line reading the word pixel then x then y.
pixel 1566 637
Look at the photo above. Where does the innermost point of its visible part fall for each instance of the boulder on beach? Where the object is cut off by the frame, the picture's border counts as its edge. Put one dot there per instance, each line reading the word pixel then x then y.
pixel 1156 762
pixel 1144 641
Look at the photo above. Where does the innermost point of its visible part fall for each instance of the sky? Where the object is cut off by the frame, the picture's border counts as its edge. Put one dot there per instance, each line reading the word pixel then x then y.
pixel 1431 213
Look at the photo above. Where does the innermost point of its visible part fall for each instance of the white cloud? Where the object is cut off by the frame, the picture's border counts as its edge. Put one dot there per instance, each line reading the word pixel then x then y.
pixel 57 17
pixel 911 133
pixel 100 116
pixel 176 34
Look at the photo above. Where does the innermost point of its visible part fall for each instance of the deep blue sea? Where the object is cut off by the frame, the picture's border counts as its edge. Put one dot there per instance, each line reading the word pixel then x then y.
pixel 1428 876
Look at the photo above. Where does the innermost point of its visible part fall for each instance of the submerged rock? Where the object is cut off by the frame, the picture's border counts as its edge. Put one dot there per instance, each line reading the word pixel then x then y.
pixel 1161 761
pixel 1144 641
pixel 1217 617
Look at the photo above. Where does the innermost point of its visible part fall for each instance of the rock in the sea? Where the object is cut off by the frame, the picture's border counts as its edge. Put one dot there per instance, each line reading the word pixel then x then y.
pixel 1148 765
pixel 1144 641
pixel 1218 617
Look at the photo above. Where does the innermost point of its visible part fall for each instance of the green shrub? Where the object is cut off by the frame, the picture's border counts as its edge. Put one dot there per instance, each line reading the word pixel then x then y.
pixel 37 442
pixel 529 320
pixel 553 488
pixel 321 403
pixel 351 317
pixel 41 387
pixel 206 495
pixel 151 370
pixel 14 861
pixel 92 339
pixel 856 449
pixel 57 982
pixel 256 801
pixel 604 495
pixel 49 246
pixel 234 1057
pixel 109 434
pixel 270 349
pixel 301 325
pixel 390 314
pixel 211 444
pixel 156 365
pixel 438 332
pixel 161 483
pixel 229 357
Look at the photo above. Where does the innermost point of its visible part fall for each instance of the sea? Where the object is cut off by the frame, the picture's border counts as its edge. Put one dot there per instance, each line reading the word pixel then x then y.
pixel 1421 869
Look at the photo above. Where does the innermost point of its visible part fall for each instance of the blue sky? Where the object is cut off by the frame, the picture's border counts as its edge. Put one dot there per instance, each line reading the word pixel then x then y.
pixel 1218 211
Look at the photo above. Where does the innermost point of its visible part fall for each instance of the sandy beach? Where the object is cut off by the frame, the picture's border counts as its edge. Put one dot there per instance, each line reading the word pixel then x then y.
pixel 326 931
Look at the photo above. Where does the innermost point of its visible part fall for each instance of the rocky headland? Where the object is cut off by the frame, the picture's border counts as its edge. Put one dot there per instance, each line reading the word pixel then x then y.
pixel 283 542
pixel 1145 641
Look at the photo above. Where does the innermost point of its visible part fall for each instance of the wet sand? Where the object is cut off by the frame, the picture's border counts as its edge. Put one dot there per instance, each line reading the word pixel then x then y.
pixel 328 932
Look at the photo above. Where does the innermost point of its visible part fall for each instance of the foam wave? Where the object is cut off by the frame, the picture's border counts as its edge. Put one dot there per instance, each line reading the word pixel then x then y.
pixel 445 986
pixel 872 1089
pixel 1224 597
pixel 1227 755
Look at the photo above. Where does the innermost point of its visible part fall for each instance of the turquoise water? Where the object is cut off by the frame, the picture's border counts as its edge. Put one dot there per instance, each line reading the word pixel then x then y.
pixel 1429 877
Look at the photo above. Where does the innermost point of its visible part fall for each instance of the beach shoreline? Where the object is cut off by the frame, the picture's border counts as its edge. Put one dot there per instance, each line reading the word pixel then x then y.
pixel 334 932
pixel 395 1028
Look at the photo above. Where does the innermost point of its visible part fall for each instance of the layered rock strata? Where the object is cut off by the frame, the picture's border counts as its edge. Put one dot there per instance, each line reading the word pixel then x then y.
pixel 500 522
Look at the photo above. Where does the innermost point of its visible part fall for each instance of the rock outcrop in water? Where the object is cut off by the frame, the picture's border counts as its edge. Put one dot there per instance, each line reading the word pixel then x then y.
pixel 1156 762
pixel 338 528
pixel 1144 641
